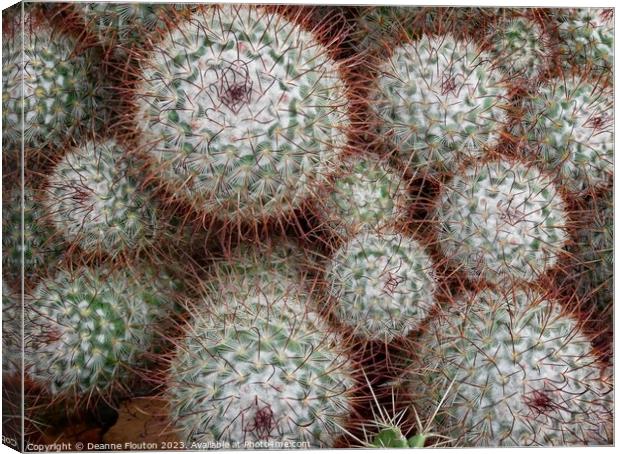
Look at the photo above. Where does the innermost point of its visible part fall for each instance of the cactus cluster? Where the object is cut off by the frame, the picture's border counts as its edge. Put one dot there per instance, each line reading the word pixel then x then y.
pixel 310 227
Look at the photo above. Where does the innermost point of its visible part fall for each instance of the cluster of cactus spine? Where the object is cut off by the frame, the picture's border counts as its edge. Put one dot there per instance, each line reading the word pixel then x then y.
pixel 568 126
pixel 518 373
pixel 439 100
pixel 95 201
pixel 382 284
pixel 368 194
pixel 257 364
pixel 243 121
pixel 86 330
pixel 502 220
pixel 49 93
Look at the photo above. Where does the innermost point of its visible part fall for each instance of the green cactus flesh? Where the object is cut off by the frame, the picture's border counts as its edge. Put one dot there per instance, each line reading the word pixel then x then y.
pixel 369 194
pixel 382 284
pixel 47 85
pixel 501 221
pixel 259 368
pixel 11 331
pixel 569 126
pixel 95 201
pixel 439 100
pixel 514 371
pixel 246 120
pixel 86 331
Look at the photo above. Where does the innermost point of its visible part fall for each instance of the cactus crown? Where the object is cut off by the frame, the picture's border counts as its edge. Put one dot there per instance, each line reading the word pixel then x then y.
pixel 521 372
pixel 95 201
pixel 438 100
pixel 247 117
pixel 502 220
pixel 569 124
pixel 382 284
pixel 85 331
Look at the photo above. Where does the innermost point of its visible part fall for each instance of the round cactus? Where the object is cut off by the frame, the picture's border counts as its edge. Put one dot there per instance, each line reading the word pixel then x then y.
pixel 512 371
pixel 369 194
pixel 86 331
pixel 259 368
pixel 47 83
pixel 502 220
pixel 519 47
pixel 377 25
pixel 587 39
pixel 40 245
pixel 439 100
pixel 246 120
pixel 569 126
pixel 382 285
pixel 95 201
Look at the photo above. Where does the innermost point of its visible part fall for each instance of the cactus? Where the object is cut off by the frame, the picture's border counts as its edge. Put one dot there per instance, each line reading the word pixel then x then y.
pixel 439 100
pixel 519 373
pixel 502 220
pixel 382 285
pixel 375 25
pixel 587 39
pixel 40 245
pixel 95 201
pixel 369 194
pixel 257 367
pixel 519 45
pixel 48 82
pixel 86 331
pixel 568 125
pixel 244 121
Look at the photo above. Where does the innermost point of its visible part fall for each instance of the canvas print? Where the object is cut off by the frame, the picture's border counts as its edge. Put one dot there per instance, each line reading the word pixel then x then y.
pixel 278 226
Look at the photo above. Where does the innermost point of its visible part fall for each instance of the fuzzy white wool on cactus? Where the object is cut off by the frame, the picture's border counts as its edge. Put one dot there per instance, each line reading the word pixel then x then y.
pixel 382 284
pixel 439 100
pixel 502 220
pixel 243 112
pixel 517 372
pixel 95 201
pixel 259 368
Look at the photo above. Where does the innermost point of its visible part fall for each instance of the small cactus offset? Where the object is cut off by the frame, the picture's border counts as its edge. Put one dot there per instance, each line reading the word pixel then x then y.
pixel 502 220
pixel 256 366
pixel 94 200
pixel 369 194
pixel 439 100
pixel 87 330
pixel 382 284
pixel 244 121
pixel 517 372
pixel 587 39
pixel 46 82
pixel 568 126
